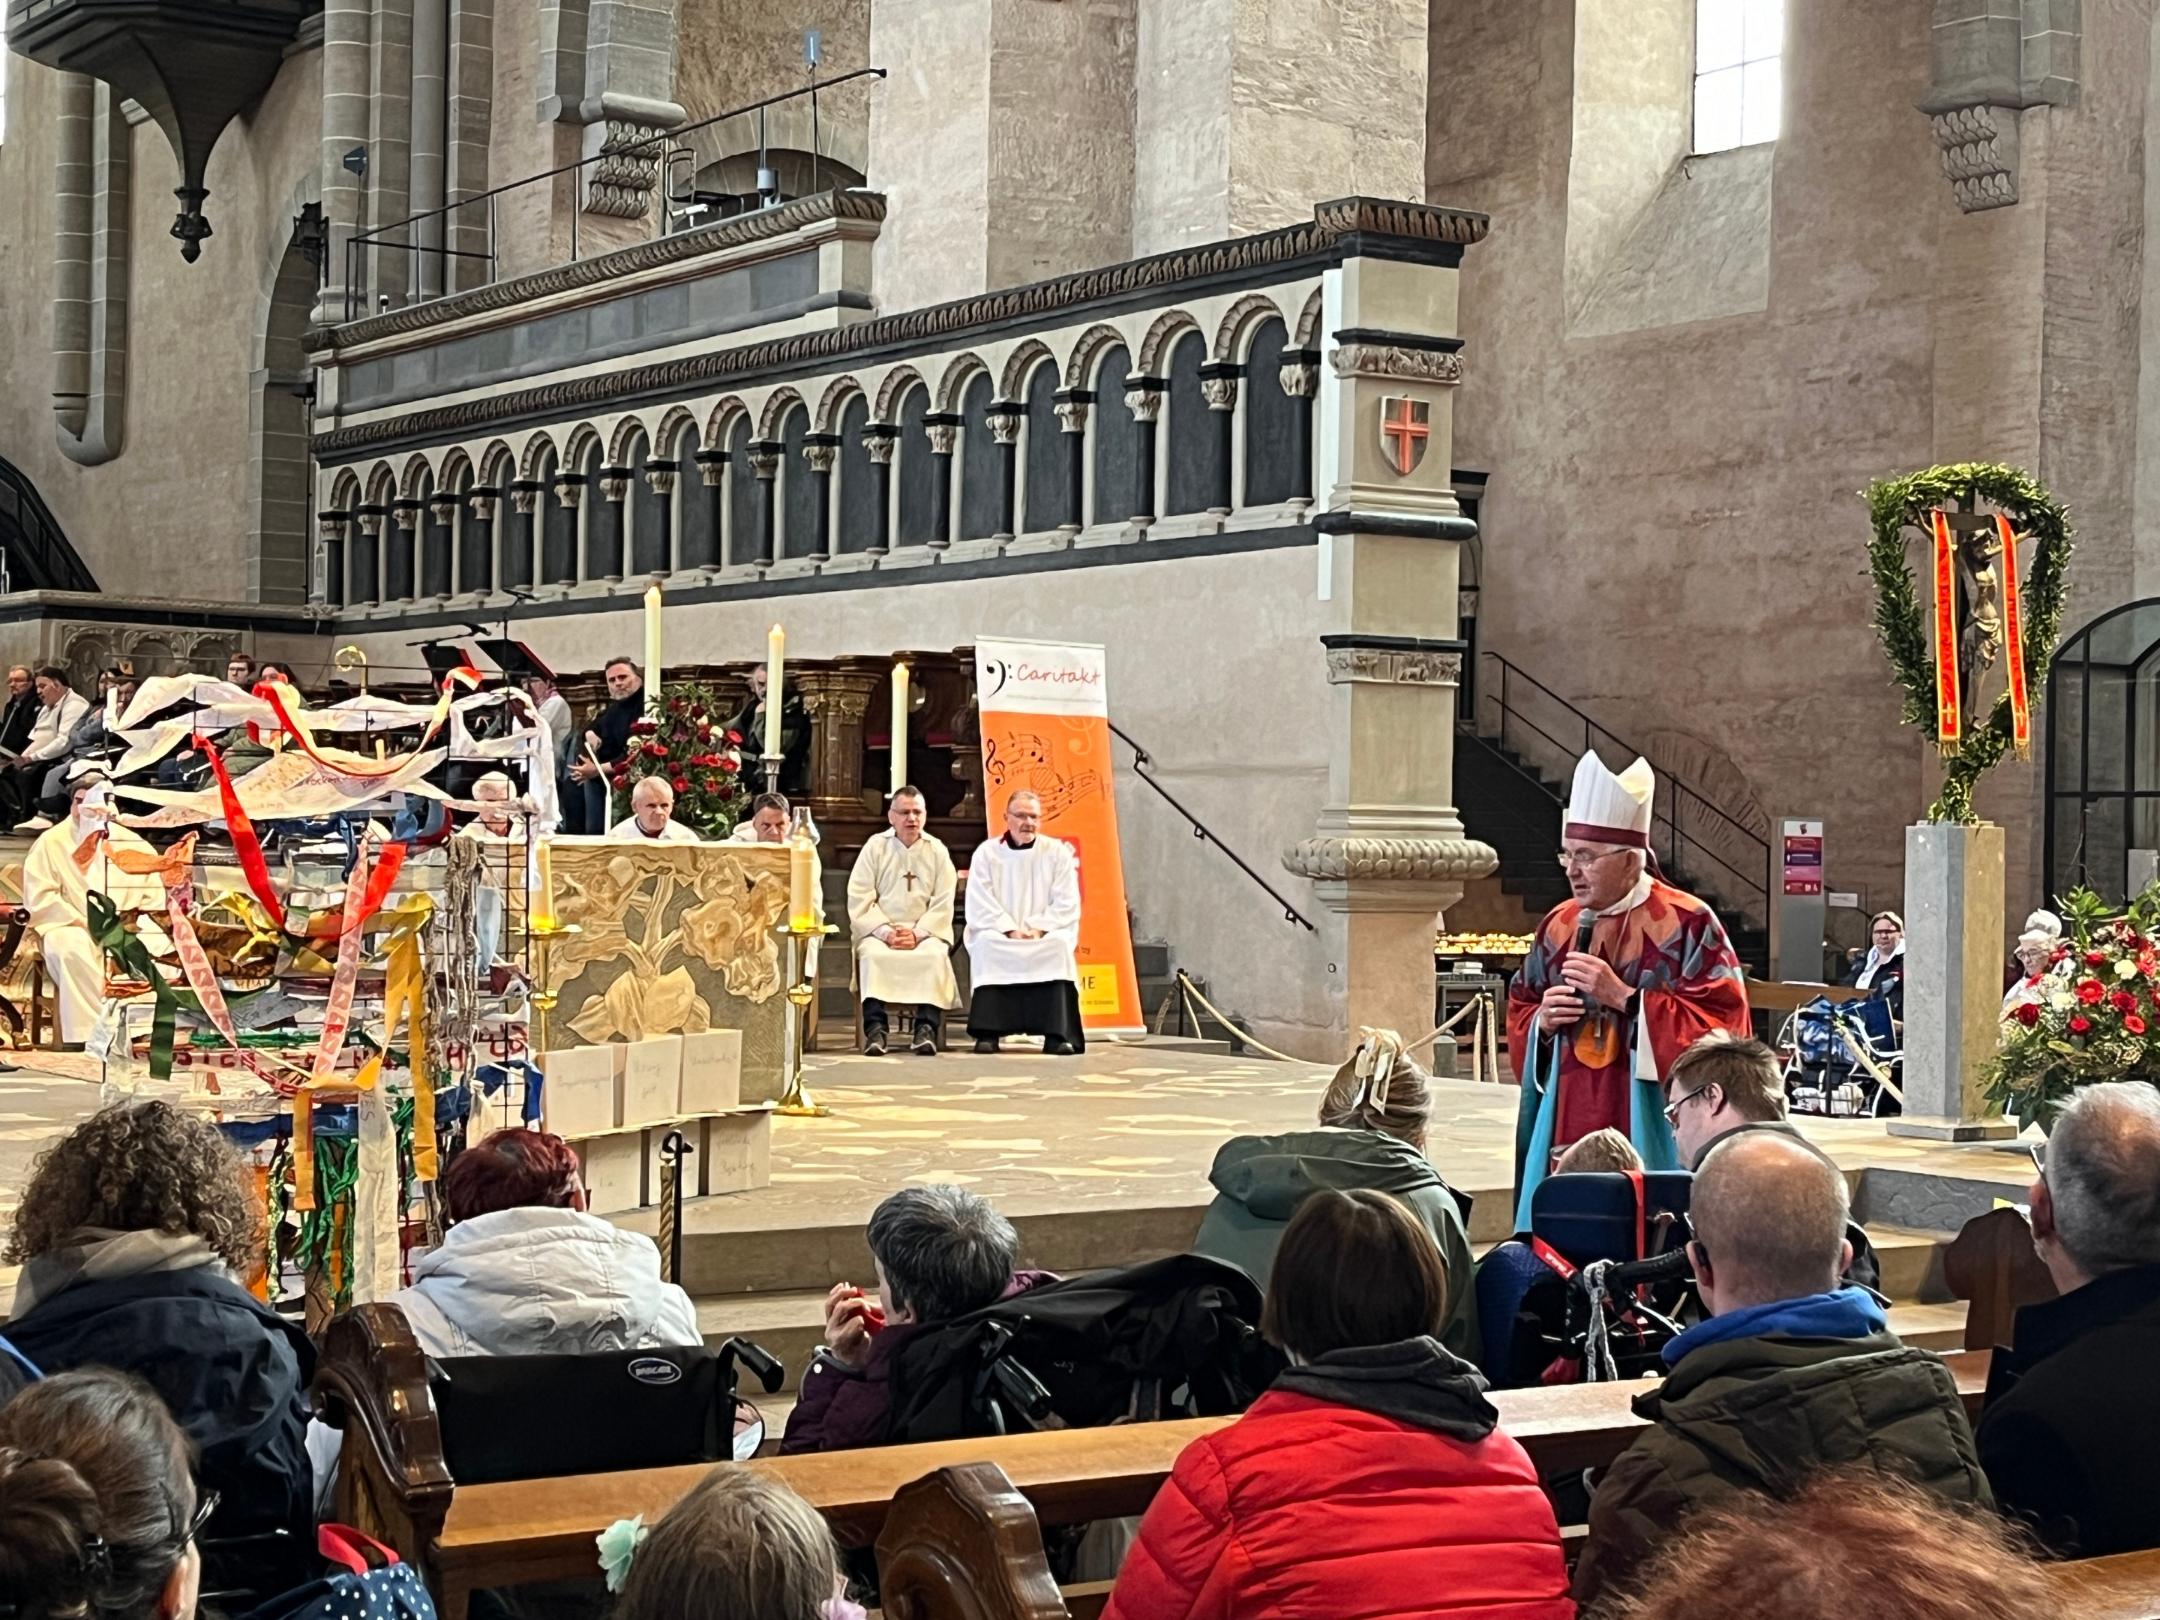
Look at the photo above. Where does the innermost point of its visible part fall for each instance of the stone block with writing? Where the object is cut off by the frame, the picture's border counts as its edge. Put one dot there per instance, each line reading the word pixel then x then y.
pixel 579 1097
pixel 613 1169
pixel 712 1071
pixel 652 1080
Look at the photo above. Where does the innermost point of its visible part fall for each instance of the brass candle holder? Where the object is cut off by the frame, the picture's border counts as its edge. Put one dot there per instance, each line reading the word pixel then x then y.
pixel 544 931
pixel 795 1100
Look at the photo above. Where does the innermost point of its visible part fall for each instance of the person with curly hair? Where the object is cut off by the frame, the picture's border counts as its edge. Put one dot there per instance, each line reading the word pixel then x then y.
pixel 132 1235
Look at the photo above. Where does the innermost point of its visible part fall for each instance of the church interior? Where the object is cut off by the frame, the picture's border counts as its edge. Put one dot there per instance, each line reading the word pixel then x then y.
pixel 1012 809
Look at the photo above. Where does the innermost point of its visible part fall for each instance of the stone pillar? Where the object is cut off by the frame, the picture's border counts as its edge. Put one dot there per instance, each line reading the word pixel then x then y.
pixel 438 540
pixel 570 495
pixel 604 536
pixel 1953 981
pixel 1005 423
pixel 820 451
pixel 469 121
pixel 942 428
pixel 765 463
pixel 476 541
pixel 1072 414
pixel 1219 386
pixel 523 543
pixel 430 142
pixel 388 271
pixel 403 537
pixel 837 697
pixel 365 581
pixel 1144 397
pixel 880 440
pixel 660 478
pixel 1300 379
pixel 713 474
pixel 330 553
pixel 346 34
pixel 1388 854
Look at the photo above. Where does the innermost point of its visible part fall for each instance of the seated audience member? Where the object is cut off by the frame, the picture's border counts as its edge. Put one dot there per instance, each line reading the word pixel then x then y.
pixel 60 706
pixel 1788 1374
pixel 768 823
pixel 2068 1432
pixel 1508 1271
pixel 1725 1084
pixel 1790 1561
pixel 651 818
pixel 940 1252
pixel 524 1271
pixel 497 822
pixel 1372 1479
pixel 132 1233
pixel 739 1546
pixel 1371 1135
pixel 17 1372
pixel 91 740
pixel 99 1518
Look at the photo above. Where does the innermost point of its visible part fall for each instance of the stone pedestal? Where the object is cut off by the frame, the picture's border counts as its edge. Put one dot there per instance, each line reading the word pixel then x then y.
pixel 1953 980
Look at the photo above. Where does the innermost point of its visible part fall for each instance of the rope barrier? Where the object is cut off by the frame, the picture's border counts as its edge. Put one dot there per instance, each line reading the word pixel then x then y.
pixel 1484 1048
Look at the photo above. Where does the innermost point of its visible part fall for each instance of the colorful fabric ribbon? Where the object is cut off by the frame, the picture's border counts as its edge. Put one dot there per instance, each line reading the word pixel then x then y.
pixel 246 844
pixel 2014 640
pixel 1949 708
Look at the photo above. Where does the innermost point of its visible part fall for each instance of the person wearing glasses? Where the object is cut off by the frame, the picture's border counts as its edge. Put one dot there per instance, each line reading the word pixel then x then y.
pixel 1592 1030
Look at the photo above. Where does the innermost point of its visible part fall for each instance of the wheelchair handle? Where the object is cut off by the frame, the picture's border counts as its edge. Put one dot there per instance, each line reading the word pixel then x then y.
pixel 761 1362
pixel 1667 1267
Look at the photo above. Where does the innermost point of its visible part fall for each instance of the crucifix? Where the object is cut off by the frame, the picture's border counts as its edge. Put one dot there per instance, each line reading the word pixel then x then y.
pixel 1979 545
pixel 910 880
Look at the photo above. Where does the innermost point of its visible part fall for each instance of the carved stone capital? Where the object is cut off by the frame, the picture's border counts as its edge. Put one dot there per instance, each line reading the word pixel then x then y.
pixel 1072 415
pixel 630 151
pixel 1395 363
pixel 1144 397
pixel 765 459
pixel 570 490
pixel 1005 423
pixel 943 435
pixel 660 477
pixel 1979 155
pixel 1299 374
pixel 525 495
pixel 331 525
pixel 407 514
pixel 820 451
pixel 712 467
pixel 1392 667
pixel 445 506
pixel 1219 392
pixel 480 503
pixel 615 482
pixel 880 441
pixel 1390 860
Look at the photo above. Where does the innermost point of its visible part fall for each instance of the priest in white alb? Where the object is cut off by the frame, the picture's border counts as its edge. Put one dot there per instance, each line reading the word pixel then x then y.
pixel 1023 930
pixel 66 863
pixel 900 906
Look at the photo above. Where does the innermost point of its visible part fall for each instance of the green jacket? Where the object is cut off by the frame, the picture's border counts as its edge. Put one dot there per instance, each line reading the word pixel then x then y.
pixel 1259 1182
pixel 1758 1415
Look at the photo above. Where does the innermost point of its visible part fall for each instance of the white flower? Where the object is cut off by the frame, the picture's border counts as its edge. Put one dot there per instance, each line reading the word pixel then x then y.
pixel 2061 1000
pixel 618 1544
pixel 2126 969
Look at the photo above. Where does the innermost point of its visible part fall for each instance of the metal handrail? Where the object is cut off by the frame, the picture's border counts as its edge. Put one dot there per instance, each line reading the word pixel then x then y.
pixel 1681 795
pixel 663 138
pixel 1142 761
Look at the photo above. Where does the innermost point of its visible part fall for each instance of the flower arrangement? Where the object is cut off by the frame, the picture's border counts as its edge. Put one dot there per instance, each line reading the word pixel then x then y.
pixel 2090 1013
pixel 687 743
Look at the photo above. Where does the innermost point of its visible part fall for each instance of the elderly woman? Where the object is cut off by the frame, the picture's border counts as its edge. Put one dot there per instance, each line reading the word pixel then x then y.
pixel 1372 1136
pixel 940 1252
pixel 133 1234
pixel 1372 1480
pixel 1885 958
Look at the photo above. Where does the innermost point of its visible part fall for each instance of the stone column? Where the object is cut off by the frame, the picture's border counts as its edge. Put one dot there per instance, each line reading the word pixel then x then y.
pixel 1072 414
pixel 1219 387
pixel 820 451
pixel 399 567
pixel 346 34
pixel 1300 379
pixel 388 271
pixel 1144 397
pixel 1005 423
pixel 880 440
pixel 660 478
pixel 469 121
pixel 1388 854
pixel 570 495
pixel 837 697
pixel 430 141
pixel 439 539
pixel 365 582
pixel 330 553
pixel 765 463
pixel 1953 981
pixel 476 549
pixel 943 428
pixel 604 540
pixel 712 466
pixel 523 543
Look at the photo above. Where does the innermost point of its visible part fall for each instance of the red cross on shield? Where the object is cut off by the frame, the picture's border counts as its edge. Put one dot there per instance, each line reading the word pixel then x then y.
pixel 1405 426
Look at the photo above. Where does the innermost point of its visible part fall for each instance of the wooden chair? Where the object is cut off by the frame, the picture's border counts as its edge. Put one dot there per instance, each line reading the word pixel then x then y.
pixel 1992 1266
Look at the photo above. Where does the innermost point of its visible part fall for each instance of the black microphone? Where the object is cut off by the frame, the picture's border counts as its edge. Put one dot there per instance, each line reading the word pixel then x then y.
pixel 1585 925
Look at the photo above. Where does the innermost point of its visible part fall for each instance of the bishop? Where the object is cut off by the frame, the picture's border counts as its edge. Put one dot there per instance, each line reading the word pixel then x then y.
pixel 1023 930
pixel 900 911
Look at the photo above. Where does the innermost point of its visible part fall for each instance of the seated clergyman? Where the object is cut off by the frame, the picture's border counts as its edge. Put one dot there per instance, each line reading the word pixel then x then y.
pixel 1023 929
pixel 651 818
pixel 900 911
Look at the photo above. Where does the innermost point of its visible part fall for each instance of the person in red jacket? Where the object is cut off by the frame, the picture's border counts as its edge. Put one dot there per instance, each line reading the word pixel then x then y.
pixel 1371 1482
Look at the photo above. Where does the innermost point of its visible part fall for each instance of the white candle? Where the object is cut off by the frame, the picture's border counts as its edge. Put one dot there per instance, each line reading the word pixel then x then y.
pixel 652 648
pixel 544 855
pixel 899 726
pixel 775 645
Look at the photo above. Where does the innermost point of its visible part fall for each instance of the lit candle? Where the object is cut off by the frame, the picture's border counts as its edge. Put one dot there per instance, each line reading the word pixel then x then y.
pixel 775 644
pixel 802 883
pixel 544 854
pixel 899 726
pixel 652 648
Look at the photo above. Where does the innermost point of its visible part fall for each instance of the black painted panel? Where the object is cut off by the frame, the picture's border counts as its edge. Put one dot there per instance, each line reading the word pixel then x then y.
pixel 1043 444
pixel 916 470
pixel 1117 442
pixel 434 554
pixel 697 543
pixel 856 497
pixel 1190 439
pixel 742 496
pixel 1271 421
pixel 979 453
pixel 798 535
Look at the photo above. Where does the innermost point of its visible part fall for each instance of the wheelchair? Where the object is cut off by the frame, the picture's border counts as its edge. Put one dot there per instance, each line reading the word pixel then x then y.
pixel 1845 1059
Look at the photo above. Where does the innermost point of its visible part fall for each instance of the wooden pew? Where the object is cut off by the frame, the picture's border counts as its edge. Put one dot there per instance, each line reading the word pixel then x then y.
pixel 963 1544
pixel 1993 1268
pixel 392 1482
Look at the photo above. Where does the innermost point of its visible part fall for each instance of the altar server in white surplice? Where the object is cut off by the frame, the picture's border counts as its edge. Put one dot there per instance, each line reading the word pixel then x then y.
pixel 63 866
pixel 900 906
pixel 1023 926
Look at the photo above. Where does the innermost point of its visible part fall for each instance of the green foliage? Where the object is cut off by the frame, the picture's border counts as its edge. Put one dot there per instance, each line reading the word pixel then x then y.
pixel 1896 504
pixel 688 744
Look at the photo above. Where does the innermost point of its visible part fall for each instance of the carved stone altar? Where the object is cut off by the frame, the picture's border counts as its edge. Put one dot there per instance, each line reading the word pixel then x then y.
pixel 674 938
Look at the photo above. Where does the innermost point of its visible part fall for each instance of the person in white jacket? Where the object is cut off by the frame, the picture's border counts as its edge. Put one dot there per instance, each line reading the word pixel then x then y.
pixel 524 1271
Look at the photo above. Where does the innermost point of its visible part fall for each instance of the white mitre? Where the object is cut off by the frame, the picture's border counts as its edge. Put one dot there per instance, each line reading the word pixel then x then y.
pixel 1609 809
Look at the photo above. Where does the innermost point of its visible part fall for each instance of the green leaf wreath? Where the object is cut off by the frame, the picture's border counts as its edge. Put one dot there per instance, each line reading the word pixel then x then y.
pixel 1896 504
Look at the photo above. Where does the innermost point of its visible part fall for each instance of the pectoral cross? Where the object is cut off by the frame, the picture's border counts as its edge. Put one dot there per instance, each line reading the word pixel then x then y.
pixel 910 882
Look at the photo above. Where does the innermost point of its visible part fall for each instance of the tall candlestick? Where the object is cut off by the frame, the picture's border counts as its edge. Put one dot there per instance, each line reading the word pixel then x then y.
pixel 652 648
pixel 544 855
pixel 775 644
pixel 899 726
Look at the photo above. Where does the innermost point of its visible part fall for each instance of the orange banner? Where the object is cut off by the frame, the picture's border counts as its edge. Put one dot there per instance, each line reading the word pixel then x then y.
pixel 1949 711
pixel 1046 730
pixel 2014 639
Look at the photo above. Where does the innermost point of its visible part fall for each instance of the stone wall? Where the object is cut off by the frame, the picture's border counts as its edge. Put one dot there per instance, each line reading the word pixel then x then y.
pixel 729 56
pixel 171 515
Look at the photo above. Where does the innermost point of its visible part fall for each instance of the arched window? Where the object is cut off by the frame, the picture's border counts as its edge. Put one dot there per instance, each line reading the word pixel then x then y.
pixel 731 186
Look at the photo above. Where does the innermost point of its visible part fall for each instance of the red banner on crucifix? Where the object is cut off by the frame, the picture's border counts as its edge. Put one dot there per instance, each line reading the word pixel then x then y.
pixel 1949 709
pixel 2014 640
